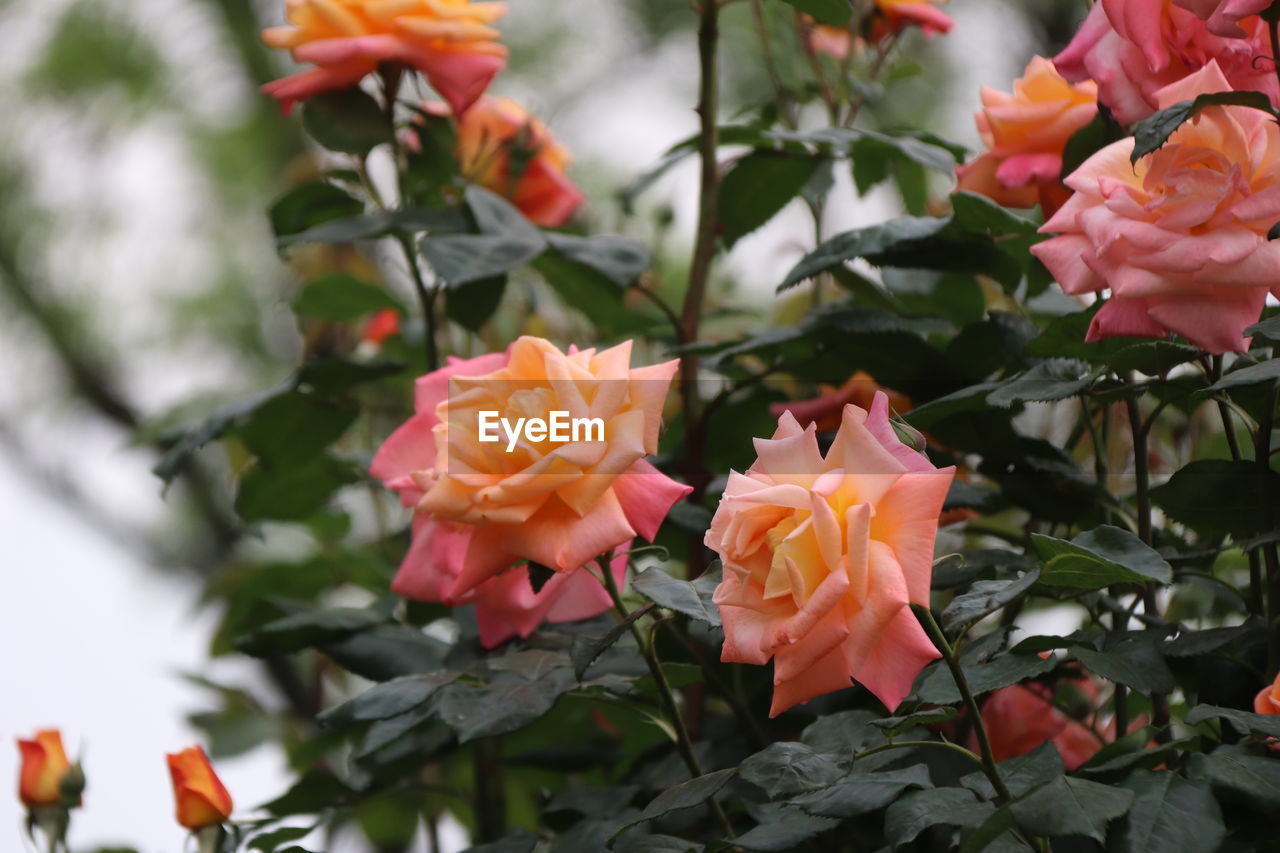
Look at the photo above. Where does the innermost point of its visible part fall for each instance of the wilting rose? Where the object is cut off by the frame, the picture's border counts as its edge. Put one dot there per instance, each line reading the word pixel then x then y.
pixel 1223 16
pixel 888 17
pixel 44 764
pixel 827 409
pixel 1135 48
pixel 450 41
pixel 822 556
pixel 201 799
pixel 1020 718
pixel 556 503
pixel 1180 238
pixel 1268 699
pixel 1025 134
pixel 504 149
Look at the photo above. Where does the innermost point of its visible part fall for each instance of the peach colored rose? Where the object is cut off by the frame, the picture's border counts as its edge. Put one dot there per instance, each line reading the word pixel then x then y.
pixel 504 149
pixel 822 556
pixel 1135 48
pixel 1180 238
pixel 450 42
pixel 1224 15
pixel 1268 699
pixel 560 504
pixel 827 409
pixel 44 764
pixel 1020 718
pixel 890 17
pixel 1025 134
pixel 200 798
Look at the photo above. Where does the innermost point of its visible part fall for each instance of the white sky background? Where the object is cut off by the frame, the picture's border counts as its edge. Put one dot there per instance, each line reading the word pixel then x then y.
pixel 93 638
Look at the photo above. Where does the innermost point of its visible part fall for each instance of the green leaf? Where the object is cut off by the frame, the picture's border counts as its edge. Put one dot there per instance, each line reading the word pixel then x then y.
pixel 1268 328
pixel 496 215
pixel 314 792
pixel 687 794
pixel 1022 773
pixel 462 258
pixel 691 599
pixel 1098 558
pixel 1253 374
pixel 907 817
pixel 1215 497
pixel 291 494
pixel 984 597
pixel 981 215
pixel 842 732
pixel 937 687
pixel 790 768
pixel 294 427
pixel 1132 662
pixel 757 187
pixel 308 628
pixel 1254 778
pixel 269 842
pixel 1244 722
pixel 1168 813
pixel 585 289
pixel 378 223
pixel 388 699
pixel 180 445
pixel 333 375
pixel 1068 806
pixel 1089 140
pixel 782 828
pixel 309 205
pixel 348 121
pixel 898 724
pixel 861 242
pixel 342 297
pixel 473 303
pixel 860 793
pixel 586 650
pixel 619 259
pixel 1055 379
pixel 516 841
pixel 835 13
pixel 1152 132
pixel 525 688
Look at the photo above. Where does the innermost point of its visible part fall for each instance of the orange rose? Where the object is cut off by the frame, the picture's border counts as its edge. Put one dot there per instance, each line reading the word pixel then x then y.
pixel 1020 718
pixel 503 148
pixel 449 41
pixel 1025 134
pixel 1268 699
pixel 44 764
pixel 888 17
pixel 822 556
pixel 199 795
pixel 491 490
pixel 826 410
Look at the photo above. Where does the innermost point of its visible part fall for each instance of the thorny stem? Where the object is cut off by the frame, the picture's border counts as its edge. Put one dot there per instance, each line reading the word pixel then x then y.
pixel 970 703
pixel 684 743
pixel 700 266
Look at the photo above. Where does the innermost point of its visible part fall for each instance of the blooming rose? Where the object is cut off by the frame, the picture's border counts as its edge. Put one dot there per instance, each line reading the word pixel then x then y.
pixel 1180 238
pixel 449 41
pixel 1020 718
pixel 888 17
pixel 504 149
pixel 481 509
pixel 827 409
pixel 1224 15
pixel 1025 134
pixel 1135 48
pixel 44 764
pixel 1268 699
pixel 822 556
pixel 198 793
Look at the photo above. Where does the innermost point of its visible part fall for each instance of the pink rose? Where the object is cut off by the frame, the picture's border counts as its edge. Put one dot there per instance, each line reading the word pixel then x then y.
pixel 822 556
pixel 450 42
pixel 1025 134
pixel 1180 238
pixel 1135 48
pixel 1020 718
pixel 1224 15
pixel 481 508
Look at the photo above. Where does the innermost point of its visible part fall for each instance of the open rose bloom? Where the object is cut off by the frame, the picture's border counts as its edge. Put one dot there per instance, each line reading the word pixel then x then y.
pixel 1021 717
pixel 480 510
pixel 504 149
pixel 1223 16
pixel 1135 48
pixel 887 18
pixel 1025 133
pixel 822 556
pixel 1268 699
pixel 451 42
pixel 1180 238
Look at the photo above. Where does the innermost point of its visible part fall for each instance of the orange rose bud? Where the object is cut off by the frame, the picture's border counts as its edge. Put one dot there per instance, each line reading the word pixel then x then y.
pixel 201 799
pixel 44 764
pixel 1268 699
